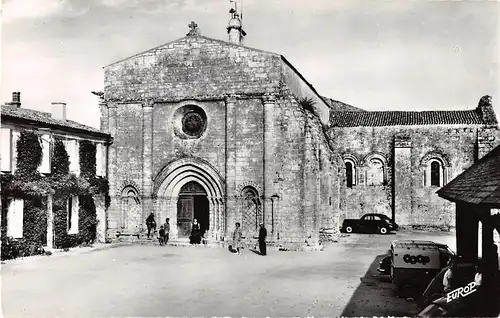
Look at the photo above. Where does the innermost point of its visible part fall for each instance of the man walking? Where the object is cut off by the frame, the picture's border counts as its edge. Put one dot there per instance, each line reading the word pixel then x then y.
pixel 262 239
pixel 166 227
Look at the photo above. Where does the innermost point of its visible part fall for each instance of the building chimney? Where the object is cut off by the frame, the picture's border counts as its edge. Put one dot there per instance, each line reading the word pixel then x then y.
pixel 59 110
pixel 485 110
pixel 235 28
pixel 16 99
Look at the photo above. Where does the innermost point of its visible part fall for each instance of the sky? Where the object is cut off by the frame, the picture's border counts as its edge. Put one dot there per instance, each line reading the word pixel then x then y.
pixel 372 54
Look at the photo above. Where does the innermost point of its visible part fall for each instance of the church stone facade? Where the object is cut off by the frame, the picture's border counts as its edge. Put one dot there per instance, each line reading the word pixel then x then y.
pixel 217 131
pixel 223 133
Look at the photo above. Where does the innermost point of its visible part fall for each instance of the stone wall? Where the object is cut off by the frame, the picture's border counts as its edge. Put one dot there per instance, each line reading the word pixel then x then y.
pixel 307 176
pixel 192 66
pixel 455 145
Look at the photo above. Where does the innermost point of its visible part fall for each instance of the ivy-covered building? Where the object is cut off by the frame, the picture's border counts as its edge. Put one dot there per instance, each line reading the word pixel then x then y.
pixel 53 178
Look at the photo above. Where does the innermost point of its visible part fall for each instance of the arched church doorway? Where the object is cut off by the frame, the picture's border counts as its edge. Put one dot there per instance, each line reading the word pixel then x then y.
pixel 191 188
pixel 192 204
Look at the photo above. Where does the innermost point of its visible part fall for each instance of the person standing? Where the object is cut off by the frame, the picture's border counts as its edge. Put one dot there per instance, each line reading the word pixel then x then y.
pixel 161 238
pixel 150 223
pixel 237 235
pixel 448 285
pixel 195 233
pixel 262 239
pixel 166 227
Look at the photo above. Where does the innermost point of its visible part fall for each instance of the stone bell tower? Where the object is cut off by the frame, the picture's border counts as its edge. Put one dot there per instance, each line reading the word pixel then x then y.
pixel 235 28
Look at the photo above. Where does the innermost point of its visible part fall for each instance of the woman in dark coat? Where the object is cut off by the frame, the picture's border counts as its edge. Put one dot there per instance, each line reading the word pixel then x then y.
pixel 195 237
pixel 151 223
pixel 262 239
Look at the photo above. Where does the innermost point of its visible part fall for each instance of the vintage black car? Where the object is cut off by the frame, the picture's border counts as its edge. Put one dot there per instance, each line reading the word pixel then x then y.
pixel 369 223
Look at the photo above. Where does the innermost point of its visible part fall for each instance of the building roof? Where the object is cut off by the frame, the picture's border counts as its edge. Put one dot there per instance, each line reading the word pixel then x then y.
pixel 46 119
pixel 336 105
pixel 480 184
pixel 396 118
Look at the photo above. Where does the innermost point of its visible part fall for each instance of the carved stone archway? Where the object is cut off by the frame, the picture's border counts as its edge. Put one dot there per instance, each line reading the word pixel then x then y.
pixel 170 181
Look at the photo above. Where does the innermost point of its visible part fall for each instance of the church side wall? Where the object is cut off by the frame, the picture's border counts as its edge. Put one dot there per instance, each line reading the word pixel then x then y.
pixel 457 144
pixel 304 179
pixel 327 177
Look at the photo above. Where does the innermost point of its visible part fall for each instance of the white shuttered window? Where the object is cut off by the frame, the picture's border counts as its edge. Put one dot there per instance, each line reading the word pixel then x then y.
pixel 73 208
pixel 15 218
pixel 45 143
pixel 15 138
pixel 6 149
pixel 74 157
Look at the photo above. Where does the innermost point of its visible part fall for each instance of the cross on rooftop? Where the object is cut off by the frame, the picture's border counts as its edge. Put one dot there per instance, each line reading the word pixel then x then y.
pixel 194 29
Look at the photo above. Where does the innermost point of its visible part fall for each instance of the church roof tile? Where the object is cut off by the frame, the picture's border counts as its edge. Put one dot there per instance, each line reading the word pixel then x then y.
pixel 396 118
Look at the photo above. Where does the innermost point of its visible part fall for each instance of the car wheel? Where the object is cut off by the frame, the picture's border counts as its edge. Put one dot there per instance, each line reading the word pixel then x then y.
pixel 348 229
pixel 383 230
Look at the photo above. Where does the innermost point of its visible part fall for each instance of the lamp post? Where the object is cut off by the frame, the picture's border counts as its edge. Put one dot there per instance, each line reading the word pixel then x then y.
pixel 273 197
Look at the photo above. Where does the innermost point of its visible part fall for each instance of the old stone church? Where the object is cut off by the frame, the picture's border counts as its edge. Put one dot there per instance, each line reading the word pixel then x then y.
pixel 223 133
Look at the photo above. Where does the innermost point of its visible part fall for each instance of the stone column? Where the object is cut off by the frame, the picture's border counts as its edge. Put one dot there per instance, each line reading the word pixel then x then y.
pixel 269 151
pixel 171 206
pixel 222 224
pixel 114 213
pixel 309 217
pixel 402 185
pixel 50 223
pixel 271 228
pixel 212 210
pixel 467 225
pixel 231 127
pixel 147 162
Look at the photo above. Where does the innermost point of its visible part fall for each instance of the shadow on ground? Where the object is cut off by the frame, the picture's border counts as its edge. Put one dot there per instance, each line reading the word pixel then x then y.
pixel 376 296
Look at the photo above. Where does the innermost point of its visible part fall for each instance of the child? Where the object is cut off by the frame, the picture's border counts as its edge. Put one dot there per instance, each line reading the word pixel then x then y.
pixel 163 236
pixel 204 239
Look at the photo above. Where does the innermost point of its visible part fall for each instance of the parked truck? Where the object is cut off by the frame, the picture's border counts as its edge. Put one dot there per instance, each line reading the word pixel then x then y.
pixel 415 263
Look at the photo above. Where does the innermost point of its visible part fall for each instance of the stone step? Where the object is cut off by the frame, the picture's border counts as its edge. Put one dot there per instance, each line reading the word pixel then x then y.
pixel 184 242
pixel 143 240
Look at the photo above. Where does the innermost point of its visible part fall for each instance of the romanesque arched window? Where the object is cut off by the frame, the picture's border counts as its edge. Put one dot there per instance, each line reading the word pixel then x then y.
pixel 434 166
pixel 252 215
pixel 350 173
pixel 375 172
pixel 436 173
pixel 351 170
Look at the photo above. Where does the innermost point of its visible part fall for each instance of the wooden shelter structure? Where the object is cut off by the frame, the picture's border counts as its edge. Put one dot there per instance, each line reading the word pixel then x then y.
pixel 476 193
